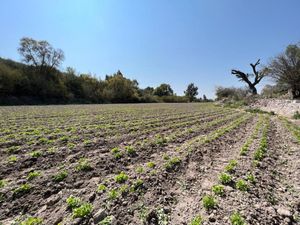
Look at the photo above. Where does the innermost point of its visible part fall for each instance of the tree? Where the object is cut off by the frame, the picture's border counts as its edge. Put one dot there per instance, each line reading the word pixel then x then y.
pixel 163 90
pixel 191 92
pixel 258 76
pixel 205 98
pixel 285 69
pixel 40 54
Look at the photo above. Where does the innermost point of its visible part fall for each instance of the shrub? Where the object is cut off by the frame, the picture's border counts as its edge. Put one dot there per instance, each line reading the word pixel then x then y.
pixel 237 219
pixel 121 177
pixel 218 190
pixel 196 221
pixel 83 165
pixel 209 202
pixel 73 202
pixel 60 176
pixel 241 185
pixel 83 210
pixel 225 178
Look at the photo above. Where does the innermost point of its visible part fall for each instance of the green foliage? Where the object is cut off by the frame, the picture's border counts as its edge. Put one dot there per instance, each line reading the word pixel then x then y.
pixel 218 190
pixel 73 202
pixel 101 188
pixel 121 177
pixel 231 166
pixel 242 185
pixel 151 165
pixel 196 221
pixel 237 219
pixel 106 221
pixel 251 178
pixel 83 165
pixel 35 154
pixel 22 189
pixel 163 90
pixel 33 175
pixel 12 159
pixel 113 194
pixel 60 176
pixel 191 92
pixel 296 115
pixel 83 211
pixel 116 153
pixel 32 221
pixel 209 202
pixel 3 183
pixel 225 178
pixel 130 150
pixel 172 163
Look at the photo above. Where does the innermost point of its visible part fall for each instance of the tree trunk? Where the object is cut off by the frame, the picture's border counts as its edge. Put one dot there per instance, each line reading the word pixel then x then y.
pixel 253 89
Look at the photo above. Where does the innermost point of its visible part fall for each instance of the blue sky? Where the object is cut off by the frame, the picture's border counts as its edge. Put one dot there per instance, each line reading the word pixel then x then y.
pixel 156 41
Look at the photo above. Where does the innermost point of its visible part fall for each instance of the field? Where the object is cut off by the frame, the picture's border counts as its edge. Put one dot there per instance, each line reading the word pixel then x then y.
pixel 147 164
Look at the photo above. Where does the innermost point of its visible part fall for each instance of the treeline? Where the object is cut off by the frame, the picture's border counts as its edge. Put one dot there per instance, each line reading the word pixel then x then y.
pixel 39 81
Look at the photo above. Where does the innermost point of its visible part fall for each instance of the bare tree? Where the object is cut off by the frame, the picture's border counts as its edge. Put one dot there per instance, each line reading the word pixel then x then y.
pixel 40 54
pixel 258 76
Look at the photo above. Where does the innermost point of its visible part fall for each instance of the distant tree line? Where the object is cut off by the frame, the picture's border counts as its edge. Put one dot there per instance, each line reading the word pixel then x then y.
pixel 38 80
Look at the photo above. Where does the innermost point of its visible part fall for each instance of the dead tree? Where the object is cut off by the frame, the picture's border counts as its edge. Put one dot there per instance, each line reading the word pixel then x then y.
pixel 258 76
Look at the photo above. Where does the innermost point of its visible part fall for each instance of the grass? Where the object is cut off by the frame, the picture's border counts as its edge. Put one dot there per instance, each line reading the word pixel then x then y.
pixel 60 176
pixel 225 178
pixel 121 177
pixel 237 219
pixel 218 190
pixel 209 202
pixel 83 165
pixel 196 221
pixel 33 175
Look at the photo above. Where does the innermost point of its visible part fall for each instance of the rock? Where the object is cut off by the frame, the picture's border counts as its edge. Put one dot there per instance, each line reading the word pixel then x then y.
pixel 284 212
pixel 99 215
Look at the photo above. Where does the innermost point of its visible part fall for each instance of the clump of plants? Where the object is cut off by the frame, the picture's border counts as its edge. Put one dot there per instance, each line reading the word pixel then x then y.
pixel 237 219
pixel 32 221
pixel 83 165
pixel 3 183
pixel 160 140
pixel 151 165
pixel 35 154
pixel 12 159
pixel 251 178
pixel 209 202
pixel 79 209
pixel 101 188
pixel 172 163
pixel 22 189
pixel 60 176
pixel 196 221
pixel 242 185
pixel 106 221
pixel 121 177
pixel 33 175
pixel 225 178
pixel 130 150
pixel 231 166
pixel 218 190
pixel 116 153
pixel 296 115
pixel 113 194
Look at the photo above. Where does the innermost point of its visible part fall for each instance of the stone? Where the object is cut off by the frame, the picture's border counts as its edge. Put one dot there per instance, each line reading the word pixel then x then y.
pixel 99 215
pixel 284 212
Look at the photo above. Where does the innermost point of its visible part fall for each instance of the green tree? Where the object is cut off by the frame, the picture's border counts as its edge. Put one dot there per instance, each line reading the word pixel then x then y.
pixel 163 90
pixel 191 92
pixel 285 69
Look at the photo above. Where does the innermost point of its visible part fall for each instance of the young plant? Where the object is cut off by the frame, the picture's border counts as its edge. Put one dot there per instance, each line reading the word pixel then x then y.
pixel 83 165
pixel 116 153
pixel 60 176
pixel 35 154
pixel 231 166
pixel 250 177
pixel 73 202
pixel 3 183
pixel 23 189
pixel 209 202
pixel 32 221
pixel 172 163
pixel 121 177
pixel 225 178
pixel 151 165
pixel 237 219
pixel 12 159
pixel 218 190
pixel 242 185
pixel 139 169
pixel 106 221
pixel 196 221
pixel 101 188
pixel 113 194
pixel 83 210
pixel 130 150
pixel 33 175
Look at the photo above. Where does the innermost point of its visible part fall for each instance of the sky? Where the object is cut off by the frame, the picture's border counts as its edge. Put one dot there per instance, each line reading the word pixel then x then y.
pixel 156 41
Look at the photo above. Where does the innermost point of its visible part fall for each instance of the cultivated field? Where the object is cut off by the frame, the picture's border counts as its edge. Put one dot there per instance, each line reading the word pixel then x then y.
pixel 147 164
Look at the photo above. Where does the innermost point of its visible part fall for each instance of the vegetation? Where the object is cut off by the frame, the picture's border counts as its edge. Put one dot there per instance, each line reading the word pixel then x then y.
pixel 60 176
pixel 218 190
pixel 225 178
pixel 196 221
pixel 191 92
pixel 209 202
pixel 121 177
pixel 237 219
pixel 84 210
